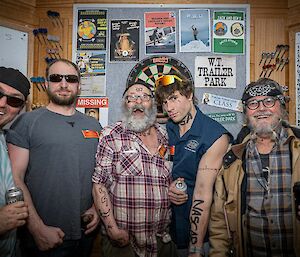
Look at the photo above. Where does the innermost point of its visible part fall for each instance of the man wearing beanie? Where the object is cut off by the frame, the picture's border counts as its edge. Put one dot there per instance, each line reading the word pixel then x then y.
pixel 254 213
pixel 14 89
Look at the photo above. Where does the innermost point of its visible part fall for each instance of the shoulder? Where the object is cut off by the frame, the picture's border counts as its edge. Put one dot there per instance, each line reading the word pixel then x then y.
pixel 89 120
pixel 113 130
pixel 28 117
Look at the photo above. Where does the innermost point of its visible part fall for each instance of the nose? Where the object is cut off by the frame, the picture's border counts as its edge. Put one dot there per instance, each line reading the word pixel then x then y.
pixel 3 101
pixel 261 106
pixel 139 99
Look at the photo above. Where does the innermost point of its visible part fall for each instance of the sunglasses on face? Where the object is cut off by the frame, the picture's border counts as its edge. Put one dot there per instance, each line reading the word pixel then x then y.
pixel 58 78
pixel 12 100
pixel 166 80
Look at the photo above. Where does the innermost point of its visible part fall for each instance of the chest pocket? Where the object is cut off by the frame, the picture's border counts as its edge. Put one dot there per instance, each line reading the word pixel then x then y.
pixel 130 162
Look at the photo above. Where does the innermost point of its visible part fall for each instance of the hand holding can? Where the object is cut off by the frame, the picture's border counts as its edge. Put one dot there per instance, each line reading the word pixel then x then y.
pixel 13 195
pixel 296 190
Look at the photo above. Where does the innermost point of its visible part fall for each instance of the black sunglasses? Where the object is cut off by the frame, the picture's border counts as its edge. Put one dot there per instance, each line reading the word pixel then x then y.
pixel 59 77
pixel 12 100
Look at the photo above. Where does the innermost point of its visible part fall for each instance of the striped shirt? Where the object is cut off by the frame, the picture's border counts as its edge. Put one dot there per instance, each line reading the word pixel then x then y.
pixel 138 184
pixel 8 240
pixel 269 203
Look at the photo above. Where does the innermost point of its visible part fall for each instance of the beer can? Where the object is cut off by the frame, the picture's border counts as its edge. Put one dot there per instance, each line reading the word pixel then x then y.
pixel 13 195
pixel 181 185
pixel 296 190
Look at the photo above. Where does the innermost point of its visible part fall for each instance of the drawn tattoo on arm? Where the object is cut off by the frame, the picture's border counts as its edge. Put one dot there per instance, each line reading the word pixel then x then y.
pixel 103 200
pixel 195 219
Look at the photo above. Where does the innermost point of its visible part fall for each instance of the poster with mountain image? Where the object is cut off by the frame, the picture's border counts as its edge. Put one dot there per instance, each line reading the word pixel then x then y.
pixel 194 30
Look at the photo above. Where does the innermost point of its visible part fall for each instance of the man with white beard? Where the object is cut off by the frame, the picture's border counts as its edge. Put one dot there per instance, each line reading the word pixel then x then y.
pixel 254 213
pixel 131 181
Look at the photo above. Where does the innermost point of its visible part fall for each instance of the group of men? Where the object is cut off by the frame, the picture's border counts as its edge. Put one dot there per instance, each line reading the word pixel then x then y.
pixel 74 174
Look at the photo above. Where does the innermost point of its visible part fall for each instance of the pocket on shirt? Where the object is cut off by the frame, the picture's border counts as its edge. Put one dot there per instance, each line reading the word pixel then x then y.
pixel 130 162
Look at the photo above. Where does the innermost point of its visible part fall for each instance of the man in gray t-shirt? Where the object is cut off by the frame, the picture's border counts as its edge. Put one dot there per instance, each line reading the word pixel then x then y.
pixel 52 151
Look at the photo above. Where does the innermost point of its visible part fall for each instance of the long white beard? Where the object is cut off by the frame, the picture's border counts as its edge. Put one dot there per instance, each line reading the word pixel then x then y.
pixel 139 124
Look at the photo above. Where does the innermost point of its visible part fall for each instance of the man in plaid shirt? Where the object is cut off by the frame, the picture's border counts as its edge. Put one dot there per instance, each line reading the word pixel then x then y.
pixel 131 181
pixel 254 213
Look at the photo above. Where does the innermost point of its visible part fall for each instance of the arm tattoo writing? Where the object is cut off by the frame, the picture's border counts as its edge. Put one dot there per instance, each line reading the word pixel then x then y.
pixel 103 200
pixel 195 219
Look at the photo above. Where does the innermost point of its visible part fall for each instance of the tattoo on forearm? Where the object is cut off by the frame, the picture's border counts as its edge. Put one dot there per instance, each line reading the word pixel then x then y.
pixel 195 220
pixel 209 169
pixel 186 119
pixel 103 200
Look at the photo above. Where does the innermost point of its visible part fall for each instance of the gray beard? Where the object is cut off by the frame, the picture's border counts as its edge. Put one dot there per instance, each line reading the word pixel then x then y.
pixel 139 124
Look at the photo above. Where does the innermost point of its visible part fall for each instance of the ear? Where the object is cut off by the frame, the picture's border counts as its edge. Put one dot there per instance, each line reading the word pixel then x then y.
pixel 191 97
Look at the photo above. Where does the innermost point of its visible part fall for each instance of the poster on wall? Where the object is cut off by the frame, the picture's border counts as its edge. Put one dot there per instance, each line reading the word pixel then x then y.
pixel 194 27
pixel 229 32
pixel 96 107
pixel 215 71
pixel 124 40
pixel 92 69
pixel 91 30
pixel 297 75
pixel 222 102
pixel 160 32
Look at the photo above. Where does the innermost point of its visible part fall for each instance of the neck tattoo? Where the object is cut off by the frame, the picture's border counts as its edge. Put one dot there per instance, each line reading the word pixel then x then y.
pixel 186 119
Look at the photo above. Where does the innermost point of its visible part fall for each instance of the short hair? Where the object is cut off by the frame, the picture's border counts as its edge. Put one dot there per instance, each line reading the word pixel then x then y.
pixel 63 61
pixel 183 85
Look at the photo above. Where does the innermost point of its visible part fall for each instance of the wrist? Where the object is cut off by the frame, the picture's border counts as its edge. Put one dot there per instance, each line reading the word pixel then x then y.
pixel 197 249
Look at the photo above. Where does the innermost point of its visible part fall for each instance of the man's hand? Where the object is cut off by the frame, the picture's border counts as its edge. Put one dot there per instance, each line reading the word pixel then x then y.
pixel 177 196
pixel 12 216
pixel 119 236
pixel 47 237
pixel 94 221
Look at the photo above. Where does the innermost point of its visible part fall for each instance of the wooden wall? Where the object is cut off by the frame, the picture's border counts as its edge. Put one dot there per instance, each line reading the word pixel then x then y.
pixel 272 23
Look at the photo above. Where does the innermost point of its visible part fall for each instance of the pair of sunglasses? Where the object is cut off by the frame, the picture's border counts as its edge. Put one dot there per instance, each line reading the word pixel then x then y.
pixel 58 78
pixel 166 80
pixel 12 100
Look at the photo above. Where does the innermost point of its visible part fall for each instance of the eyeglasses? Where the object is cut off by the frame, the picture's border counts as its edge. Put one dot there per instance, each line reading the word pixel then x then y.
pixel 58 78
pixel 12 100
pixel 268 102
pixel 134 98
pixel 167 80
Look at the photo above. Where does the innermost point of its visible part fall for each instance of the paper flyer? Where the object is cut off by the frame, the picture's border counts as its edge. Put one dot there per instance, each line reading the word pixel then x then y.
pixel 96 107
pixel 91 30
pixel 160 32
pixel 215 71
pixel 124 40
pixel 194 25
pixel 229 32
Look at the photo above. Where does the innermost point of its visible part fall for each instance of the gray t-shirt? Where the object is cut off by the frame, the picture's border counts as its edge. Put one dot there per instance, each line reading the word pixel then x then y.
pixel 61 164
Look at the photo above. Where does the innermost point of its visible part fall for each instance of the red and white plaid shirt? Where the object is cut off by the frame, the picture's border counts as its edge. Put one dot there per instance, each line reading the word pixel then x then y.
pixel 138 184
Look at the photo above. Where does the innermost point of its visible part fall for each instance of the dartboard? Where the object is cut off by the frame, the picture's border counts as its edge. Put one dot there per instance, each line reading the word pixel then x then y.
pixel 149 69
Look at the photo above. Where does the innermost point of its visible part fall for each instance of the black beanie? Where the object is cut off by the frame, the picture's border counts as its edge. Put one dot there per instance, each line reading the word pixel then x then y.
pixel 14 78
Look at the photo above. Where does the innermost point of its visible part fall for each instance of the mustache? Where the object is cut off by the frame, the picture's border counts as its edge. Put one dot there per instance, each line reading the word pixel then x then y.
pixel 136 107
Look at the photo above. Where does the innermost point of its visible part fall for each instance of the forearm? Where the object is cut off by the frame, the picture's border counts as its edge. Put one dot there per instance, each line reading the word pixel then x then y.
pixel 104 207
pixel 33 221
pixel 199 219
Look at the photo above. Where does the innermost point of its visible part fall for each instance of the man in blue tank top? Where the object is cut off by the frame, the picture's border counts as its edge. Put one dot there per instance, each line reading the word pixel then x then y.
pixel 200 144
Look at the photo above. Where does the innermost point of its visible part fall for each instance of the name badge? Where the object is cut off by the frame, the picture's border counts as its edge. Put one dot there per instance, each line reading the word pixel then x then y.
pixel 90 133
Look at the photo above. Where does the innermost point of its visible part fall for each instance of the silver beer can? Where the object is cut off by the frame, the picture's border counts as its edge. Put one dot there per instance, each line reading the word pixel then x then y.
pixel 181 185
pixel 13 195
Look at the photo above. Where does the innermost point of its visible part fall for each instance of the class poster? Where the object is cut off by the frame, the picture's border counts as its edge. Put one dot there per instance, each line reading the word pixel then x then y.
pixel 229 32
pixel 194 27
pixel 96 107
pixel 91 30
pixel 160 32
pixel 124 40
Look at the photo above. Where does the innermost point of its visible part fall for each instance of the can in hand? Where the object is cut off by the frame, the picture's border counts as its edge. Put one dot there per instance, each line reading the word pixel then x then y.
pixel 181 185
pixel 296 190
pixel 13 195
